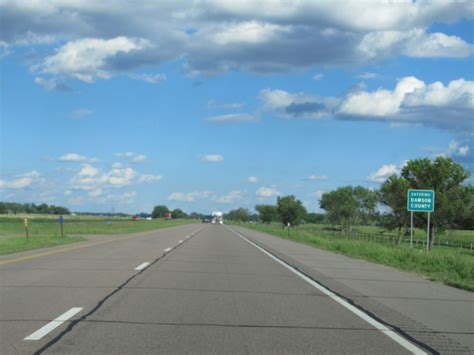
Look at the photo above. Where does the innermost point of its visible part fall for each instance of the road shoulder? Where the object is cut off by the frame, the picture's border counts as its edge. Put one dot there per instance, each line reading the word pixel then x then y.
pixel 434 314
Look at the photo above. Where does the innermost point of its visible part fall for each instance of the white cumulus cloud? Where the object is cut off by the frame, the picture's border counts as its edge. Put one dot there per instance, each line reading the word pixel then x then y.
pixel 74 157
pixel 381 174
pixel 267 192
pixel 149 178
pixel 316 178
pixel 149 78
pixel 132 157
pixel 188 197
pixel 229 198
pixel 252 179
pixel 21 181
pixel 211 158
pixel 86 59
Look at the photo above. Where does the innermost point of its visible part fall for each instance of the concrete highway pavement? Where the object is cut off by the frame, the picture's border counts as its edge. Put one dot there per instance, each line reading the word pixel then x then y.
pixel 213 292
pixel 439 316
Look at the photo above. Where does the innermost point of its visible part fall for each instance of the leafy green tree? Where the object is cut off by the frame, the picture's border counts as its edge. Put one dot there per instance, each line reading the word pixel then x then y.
pixel 267 213
pixel 340 206
pixel 393 193
pixel 465 219
pixel 316 218
pixel 445 177
pixel 290 210
pixel 239 215
pixel 349 205
pixel 160 211
pixel 178 213
pixel 195 215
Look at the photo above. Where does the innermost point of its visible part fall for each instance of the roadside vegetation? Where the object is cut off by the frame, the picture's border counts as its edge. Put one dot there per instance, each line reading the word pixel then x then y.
pixel 14 245
pixel 44 230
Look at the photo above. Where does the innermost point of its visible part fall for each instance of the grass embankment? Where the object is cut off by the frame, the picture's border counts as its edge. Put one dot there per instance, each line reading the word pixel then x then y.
pixel 452 236
pixel 45 231
pixel 451 266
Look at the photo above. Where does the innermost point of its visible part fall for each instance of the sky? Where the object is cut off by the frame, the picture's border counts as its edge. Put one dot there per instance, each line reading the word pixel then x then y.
pixel 212 105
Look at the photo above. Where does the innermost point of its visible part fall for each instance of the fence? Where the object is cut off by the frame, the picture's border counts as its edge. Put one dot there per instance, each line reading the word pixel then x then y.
pixel 417 243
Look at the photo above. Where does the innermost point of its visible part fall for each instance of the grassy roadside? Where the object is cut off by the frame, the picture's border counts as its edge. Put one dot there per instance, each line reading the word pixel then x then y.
pixel 15 245
pixel 44 231
pixel 452 267
pixel 451 236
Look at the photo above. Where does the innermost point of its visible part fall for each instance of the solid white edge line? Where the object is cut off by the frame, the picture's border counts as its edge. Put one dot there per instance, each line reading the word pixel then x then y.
pixel 167 249
pixel 53 324
pixel 376 324
pixel 142 266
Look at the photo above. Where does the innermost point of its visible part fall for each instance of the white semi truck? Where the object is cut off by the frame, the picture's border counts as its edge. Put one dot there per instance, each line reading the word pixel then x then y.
pixel 217 217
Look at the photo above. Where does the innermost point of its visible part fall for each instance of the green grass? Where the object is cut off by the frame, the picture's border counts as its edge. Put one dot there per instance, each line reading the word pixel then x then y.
pixel 44 230
pixel 452 236
pixel 74 225
pixel 17 244
pixel 451 266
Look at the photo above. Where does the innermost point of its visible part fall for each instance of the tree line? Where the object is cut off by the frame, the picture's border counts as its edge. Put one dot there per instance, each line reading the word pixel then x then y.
pixel 387 207
pixel 14 207
pixel 161 211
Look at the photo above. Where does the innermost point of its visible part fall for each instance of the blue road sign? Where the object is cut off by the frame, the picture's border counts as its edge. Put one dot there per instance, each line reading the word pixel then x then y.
pixel 61 219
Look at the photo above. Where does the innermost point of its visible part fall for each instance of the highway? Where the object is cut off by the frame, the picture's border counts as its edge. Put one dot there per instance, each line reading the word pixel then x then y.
pixel 212 289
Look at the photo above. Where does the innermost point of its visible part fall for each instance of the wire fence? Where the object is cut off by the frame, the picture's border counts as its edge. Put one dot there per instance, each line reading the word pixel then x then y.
pixel 387 239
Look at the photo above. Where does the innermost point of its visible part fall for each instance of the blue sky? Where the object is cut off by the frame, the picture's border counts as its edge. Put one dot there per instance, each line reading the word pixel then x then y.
pixel 215 105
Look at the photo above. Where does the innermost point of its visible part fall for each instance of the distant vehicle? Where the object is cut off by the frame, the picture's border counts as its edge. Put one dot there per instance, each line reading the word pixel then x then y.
pixel 135 218
pixel 206 220
pixel 217 217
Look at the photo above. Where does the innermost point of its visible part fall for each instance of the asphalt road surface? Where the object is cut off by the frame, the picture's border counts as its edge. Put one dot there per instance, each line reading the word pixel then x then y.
pixel 198 289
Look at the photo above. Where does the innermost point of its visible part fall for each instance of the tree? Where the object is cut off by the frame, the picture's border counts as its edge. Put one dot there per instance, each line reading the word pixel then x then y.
pixel 349 205
pixel 239 215
pixel 290 210
pixel 267 213
pixel 160 211
pixel 195 215
pixel 316 218
pixel 445 177
pixel 393 193
pixel 178 213
pixel 465 219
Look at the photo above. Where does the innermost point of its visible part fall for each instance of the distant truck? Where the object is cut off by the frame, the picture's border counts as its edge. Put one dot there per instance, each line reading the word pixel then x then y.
pixel 217 217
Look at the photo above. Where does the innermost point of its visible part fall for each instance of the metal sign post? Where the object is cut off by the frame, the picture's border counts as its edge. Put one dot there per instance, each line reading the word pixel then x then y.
pixel 411 230
pixel 428 234
pixel 61 220
pixel 26 230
